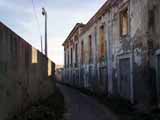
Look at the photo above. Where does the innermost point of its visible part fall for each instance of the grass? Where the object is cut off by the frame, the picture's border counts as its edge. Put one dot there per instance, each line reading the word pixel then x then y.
pixel 51 108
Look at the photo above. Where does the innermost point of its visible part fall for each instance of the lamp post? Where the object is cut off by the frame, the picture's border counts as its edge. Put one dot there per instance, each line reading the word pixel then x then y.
pixel 44 13
pixel 41 44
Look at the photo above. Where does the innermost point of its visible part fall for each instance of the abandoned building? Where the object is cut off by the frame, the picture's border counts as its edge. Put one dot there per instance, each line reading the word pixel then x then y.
pixel 118 51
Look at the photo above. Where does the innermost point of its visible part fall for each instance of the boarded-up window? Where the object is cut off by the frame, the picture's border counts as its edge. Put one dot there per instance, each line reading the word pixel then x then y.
pixel 124 22
pixel 102 44
pixel 34 56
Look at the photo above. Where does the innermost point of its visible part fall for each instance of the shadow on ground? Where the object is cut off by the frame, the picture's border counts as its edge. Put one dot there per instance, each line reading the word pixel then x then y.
pixel 51 108
pixel 121 107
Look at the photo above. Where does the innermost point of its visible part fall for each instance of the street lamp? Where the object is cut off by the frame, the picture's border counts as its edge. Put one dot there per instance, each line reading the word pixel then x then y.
pixel 44 13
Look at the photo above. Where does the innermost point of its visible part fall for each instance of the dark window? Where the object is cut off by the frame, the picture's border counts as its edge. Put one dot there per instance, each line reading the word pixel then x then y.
pixel 71 57
pixel 65 59
pixel 151 18
pixel 76 55
pixel 76 38
pixel 82 52
pixel 90 48
pixel 68 60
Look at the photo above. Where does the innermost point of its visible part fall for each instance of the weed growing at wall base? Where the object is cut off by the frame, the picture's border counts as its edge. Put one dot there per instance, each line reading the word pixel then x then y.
pixel 51 108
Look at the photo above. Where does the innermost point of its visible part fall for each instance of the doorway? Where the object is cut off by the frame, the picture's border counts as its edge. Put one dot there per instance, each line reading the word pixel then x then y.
pixel 124 78
pixel 158 75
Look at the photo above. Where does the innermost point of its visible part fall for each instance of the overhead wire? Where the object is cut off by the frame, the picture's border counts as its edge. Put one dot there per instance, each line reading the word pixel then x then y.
pixel 36 17
pixel 38 23
pixel 42 3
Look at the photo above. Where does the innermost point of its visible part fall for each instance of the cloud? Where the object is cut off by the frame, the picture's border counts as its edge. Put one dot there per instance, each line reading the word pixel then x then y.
pixel 62 16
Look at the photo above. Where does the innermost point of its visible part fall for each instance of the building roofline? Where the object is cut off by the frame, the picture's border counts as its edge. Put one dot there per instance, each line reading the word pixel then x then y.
pixel 96 16
pixel 108 4
pixel 73 31
pixel 105 7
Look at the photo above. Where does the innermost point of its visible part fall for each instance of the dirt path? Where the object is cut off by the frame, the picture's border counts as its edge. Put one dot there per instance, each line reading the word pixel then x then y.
pixel 82 107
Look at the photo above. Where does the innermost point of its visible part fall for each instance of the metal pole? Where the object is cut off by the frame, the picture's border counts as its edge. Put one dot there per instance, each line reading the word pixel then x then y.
pixel 46 47
pixel 41 45
pixel 44 12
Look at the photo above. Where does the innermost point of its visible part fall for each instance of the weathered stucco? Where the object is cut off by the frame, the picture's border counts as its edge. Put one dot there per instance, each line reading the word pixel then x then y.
pixel 131 65
pixel 24 76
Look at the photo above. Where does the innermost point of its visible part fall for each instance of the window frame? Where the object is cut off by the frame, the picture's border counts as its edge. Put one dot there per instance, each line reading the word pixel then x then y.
pixel 76 54
pixel 82 52
pixel 90 48
pixel 122 11
pixel 102 30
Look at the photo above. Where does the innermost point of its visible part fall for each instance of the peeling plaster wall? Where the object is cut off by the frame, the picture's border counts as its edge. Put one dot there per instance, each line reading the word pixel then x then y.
pixel 95 73
pixel 154 42
pixel 140 46
pixel 139 35
pixel 125 47
pixel 139 50
pixel 134 47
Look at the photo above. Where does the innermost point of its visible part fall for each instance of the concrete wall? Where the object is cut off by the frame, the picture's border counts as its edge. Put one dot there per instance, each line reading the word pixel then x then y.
pixel 25 73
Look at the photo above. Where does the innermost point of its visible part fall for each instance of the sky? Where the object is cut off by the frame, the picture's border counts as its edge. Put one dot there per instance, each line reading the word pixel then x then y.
pixel 22 18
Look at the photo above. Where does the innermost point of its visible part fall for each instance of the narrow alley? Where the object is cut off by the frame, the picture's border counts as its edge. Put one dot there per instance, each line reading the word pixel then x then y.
pixel 80 60
pixel 83 107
